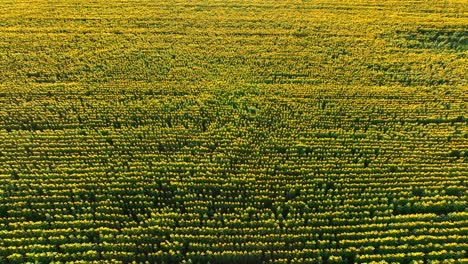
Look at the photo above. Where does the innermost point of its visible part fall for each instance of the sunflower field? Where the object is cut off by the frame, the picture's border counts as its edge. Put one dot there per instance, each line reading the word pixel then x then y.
pixel 236 131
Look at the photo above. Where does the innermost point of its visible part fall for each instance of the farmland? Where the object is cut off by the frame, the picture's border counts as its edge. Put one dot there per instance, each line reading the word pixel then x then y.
pixel 324 131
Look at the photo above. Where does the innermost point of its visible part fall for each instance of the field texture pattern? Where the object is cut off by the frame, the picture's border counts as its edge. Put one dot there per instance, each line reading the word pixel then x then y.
pixel 234 131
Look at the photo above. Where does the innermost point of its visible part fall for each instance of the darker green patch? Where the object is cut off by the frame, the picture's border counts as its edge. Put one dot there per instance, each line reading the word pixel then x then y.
pixel 454 39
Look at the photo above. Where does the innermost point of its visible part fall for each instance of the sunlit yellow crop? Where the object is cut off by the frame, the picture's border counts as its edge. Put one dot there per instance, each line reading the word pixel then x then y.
pixel 234 131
